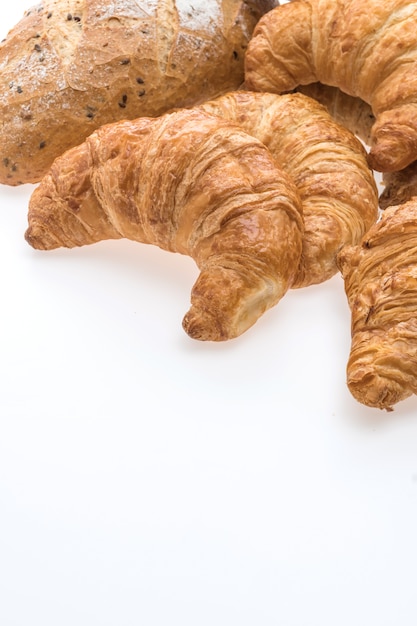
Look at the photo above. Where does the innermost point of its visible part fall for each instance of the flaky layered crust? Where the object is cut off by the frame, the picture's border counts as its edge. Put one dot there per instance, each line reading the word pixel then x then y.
pixel 188 182
pixel 399 187
pixel 368 49
pixel 70 66
pixel 326 162
pixel 381 285
pixel 351 112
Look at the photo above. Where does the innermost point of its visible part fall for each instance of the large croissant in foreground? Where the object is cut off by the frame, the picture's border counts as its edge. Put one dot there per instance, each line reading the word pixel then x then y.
pixel 188 182
pixel 381 285
pixel 327 163
pixel 367 48
pixel 70 66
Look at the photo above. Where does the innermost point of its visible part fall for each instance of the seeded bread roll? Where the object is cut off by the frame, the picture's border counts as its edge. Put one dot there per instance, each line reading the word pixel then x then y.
pixel 70 66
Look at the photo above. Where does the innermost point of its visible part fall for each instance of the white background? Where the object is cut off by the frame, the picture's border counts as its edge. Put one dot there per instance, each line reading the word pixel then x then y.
pixel 148 479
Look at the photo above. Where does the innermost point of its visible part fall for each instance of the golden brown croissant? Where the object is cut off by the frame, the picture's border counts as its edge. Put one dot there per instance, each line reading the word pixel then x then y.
pixel 367 48
pixel 188 182
pixel 381 286
pixel 70 66
pixel 399 186
pixel 351 112
pixel 327 163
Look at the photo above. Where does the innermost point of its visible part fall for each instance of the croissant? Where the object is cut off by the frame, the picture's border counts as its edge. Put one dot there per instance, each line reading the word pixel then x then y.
pixel 70 66
pixel 326 162
pixel 380 278
pixel 399 186
pixel 188 182
pixel 366 48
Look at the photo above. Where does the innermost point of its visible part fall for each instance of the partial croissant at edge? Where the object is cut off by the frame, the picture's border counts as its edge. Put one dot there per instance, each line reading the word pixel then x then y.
pixel 188 182
pixel 325 160
pixel 380 278
pixel 368 49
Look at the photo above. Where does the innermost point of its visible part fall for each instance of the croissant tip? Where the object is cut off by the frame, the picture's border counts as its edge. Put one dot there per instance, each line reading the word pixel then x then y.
pixel 387 156
pixel 203 326
pixel 37 238
pixel 376 391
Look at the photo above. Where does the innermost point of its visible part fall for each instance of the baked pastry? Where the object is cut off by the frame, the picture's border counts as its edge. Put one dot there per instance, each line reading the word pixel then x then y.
pixel 70 66
pixel 381 285
pixel 399 186
pixel 351 112
pixel 327 163
pixel 366 48
pixel 188 182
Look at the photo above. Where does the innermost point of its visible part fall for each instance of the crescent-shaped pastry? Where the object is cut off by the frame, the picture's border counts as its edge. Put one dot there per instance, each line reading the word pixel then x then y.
pixel 380 278
pixel 327 163
pixel 366 48
pixel 188 182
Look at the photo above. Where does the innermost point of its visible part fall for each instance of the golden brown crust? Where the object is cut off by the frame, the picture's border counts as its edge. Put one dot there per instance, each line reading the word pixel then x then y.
pixel 351 112
pixel 70 66
pixel 280 55
pixel 366 48
pixel 326 162
pixel 381 286
pixel 399 186
pixel 188 182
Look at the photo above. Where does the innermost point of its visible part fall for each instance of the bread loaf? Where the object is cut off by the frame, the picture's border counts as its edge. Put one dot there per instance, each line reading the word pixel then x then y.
pixel 70 66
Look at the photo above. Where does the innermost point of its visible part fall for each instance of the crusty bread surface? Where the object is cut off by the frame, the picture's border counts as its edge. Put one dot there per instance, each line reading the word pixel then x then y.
pixel 70 66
